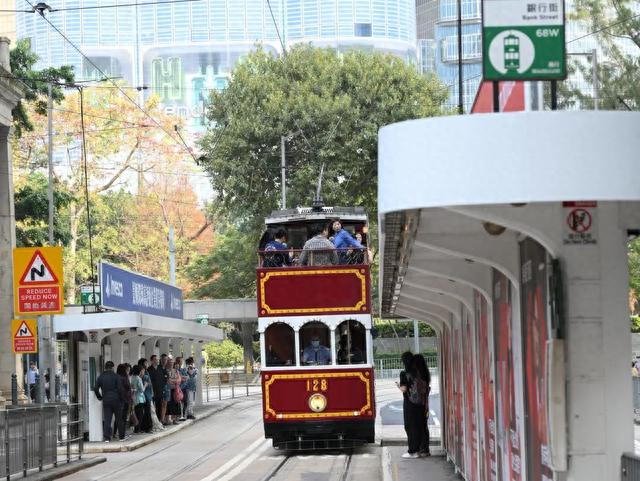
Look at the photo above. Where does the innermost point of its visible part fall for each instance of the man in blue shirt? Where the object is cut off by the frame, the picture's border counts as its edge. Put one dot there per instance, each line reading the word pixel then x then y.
pixel 315 353
pixel 343 240
pixel 272 259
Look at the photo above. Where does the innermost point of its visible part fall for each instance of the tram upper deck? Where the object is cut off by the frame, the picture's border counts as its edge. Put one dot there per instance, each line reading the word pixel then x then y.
pixel 318 282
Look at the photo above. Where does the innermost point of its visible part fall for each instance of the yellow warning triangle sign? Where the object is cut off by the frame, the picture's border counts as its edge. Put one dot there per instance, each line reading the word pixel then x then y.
pixel 24 331
pixel 38 271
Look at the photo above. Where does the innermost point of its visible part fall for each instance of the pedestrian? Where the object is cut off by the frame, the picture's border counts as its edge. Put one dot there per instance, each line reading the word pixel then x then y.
pixel 182 370
pixel 146 424
pixel 318 251
pixel 424 376
pixel 110 391
pixel 32 377
pixel 414 390
pixel 190 387
pixel 158 382
pixel 175 397
pixel 138 395
pixel 121 371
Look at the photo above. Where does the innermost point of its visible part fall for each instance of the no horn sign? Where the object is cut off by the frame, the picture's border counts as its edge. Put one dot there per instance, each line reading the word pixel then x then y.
pixel 37 280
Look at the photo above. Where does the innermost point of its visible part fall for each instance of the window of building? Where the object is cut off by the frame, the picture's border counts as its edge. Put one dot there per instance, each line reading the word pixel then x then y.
pixel 279 345
pixel 351 343
pixel 362 29
pixel 315 344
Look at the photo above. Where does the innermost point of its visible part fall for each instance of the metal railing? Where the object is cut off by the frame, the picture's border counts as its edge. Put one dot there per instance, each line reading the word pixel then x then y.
pixel 229 384
pixel 630 467
pixel 391 367
pixel 30 436
pixel 334 256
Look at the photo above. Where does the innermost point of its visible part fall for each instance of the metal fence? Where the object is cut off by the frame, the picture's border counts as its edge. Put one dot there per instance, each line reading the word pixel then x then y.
pixel 218 384
pixel 630 467
pixel 31 435
pixel 391 367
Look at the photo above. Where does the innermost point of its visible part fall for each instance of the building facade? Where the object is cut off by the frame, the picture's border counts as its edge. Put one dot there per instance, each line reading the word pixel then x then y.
pixel 181 51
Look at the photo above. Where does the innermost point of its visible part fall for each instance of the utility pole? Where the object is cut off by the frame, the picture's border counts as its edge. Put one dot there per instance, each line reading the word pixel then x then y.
pixel 460 79
pixel 283 170
pixel 172 257
pixel 416 337
pixel 596 81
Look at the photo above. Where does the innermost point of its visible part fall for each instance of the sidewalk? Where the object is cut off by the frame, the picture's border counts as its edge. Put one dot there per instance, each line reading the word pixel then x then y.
pixel 434 468
pixel 136 441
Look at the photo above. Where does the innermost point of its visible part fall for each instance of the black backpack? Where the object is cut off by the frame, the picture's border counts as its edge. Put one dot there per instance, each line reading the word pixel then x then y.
pixel 417 392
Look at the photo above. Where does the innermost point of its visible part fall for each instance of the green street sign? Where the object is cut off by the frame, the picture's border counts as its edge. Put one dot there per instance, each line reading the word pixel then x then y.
pixel 87 295
pixel 523 40
pixel 202 319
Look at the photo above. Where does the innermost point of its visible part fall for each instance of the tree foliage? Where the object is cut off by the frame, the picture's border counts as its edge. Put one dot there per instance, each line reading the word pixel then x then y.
pixel 330 107
pixel 223 354
pixel 22 61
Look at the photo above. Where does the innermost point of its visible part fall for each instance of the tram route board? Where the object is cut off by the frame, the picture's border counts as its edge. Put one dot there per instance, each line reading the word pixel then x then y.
pixel 523 40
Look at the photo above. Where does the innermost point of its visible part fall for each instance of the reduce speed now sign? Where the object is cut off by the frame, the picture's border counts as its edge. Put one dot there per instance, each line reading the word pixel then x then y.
pixel 523 40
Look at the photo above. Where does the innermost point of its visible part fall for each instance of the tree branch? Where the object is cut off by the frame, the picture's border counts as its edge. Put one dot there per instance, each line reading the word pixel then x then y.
pixel 121 170
pixel 200 231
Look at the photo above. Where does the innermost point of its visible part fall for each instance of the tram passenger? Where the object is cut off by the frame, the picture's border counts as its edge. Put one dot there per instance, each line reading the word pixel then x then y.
pixel 277 259
pixel 315 353
pixel 327 251
pixel 343 240
pixel 349 354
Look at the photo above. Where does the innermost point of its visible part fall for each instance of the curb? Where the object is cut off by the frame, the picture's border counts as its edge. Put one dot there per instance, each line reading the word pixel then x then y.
pixel 67 469
pixel 116 447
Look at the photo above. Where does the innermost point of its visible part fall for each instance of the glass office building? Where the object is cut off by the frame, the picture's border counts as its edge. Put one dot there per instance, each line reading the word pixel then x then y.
pixel 183 50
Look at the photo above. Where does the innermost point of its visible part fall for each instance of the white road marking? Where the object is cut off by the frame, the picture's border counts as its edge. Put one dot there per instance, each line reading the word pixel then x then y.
pixel 387 474
pixel 229 464
pixel 435 419
pixel 243 465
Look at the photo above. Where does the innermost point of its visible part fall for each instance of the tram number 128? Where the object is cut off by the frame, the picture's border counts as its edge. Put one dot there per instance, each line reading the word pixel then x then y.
pixel 316 385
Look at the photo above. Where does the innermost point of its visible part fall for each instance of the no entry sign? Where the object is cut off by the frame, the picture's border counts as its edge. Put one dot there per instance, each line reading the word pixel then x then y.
pixel 523 40
pixel 37 280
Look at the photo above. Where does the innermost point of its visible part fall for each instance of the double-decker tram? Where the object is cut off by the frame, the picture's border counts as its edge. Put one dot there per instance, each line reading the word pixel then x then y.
pixel 314 320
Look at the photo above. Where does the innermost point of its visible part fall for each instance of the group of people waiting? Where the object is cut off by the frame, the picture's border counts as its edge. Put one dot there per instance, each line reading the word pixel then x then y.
pixel 146 396
pixel 415 385
pixel 321 249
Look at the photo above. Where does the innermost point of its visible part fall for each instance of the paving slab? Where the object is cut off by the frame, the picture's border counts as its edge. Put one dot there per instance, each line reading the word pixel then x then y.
pixel 433 468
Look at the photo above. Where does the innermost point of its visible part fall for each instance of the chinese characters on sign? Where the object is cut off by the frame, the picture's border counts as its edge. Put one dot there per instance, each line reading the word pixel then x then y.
pixel 37 280
pixel 580 223
pixel 25 336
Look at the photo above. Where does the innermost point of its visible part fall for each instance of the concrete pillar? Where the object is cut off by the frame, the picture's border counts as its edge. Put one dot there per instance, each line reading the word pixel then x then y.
pixel 135 351
pixel 117 341
pixel 8 362
pixel 163 343
pixel 150 347
pixel 202 368
pixel 599 395
pixel 187 347
pixel 248 329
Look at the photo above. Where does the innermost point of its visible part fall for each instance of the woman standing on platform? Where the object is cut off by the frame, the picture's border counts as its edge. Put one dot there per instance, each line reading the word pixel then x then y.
pixel 414 392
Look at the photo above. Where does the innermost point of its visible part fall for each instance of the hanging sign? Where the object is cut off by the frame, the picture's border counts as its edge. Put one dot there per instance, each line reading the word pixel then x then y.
pixel 523 40
pixel 580 223
pixel 38 280
pixel 25 336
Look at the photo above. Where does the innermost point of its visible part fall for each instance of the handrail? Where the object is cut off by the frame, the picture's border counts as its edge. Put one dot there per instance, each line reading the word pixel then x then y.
pixel 290 258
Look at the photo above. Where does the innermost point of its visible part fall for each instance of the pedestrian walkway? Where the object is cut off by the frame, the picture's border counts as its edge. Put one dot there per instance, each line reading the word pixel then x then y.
pixel 397 468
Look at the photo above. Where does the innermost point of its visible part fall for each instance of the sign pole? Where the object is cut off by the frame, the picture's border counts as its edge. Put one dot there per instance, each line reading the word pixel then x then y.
pixel 496 96
pixel 460 79
pixel 554 95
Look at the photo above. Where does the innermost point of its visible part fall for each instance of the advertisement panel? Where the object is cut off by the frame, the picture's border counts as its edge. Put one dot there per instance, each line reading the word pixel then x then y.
pixel 449 398
pixel 458 401
pixel 123 290
pixel 535 332
pixel 470 432
pixel 508 432
pixel 488 464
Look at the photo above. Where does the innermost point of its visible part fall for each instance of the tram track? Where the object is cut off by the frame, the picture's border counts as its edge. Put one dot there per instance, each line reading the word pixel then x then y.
pixel 281 471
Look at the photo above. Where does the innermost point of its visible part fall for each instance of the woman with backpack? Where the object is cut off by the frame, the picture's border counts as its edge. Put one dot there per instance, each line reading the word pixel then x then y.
pixel 413 384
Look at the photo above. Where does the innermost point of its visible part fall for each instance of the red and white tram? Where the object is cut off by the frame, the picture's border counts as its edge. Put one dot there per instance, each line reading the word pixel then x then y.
pixel 315 338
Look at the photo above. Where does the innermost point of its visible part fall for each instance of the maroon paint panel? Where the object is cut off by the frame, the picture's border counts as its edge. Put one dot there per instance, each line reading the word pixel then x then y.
pixel 286 393
pixel 470 432
pixel 318 291
pixel 533 271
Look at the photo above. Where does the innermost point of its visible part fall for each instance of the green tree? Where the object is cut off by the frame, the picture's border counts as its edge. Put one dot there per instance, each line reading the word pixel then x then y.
pixel 331 104
pixel 22 60
pixel 32 211
pixel 223 354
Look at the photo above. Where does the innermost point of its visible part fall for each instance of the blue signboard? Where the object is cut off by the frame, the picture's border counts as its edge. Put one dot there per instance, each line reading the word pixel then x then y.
pixel 124 290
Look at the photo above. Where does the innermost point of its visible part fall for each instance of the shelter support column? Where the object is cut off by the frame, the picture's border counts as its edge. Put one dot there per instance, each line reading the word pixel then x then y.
pixel 248 329
pixel 599 394
pixel 149 348
pixel 7 242
pixel 163 344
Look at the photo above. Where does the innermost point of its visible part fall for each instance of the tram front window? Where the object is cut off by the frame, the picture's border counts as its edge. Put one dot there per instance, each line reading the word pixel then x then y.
pixel 279 345
pixel 351 342
pixel 314 340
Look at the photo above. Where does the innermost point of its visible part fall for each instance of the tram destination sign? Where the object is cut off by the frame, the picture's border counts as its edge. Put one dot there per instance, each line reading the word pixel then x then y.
pixel 523 40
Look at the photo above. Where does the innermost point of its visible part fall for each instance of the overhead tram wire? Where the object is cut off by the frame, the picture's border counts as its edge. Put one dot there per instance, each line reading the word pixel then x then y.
pixel 41 7
pixel 104 75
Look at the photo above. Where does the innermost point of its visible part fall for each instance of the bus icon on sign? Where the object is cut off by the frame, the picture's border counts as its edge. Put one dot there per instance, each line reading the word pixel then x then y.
pixel 511 53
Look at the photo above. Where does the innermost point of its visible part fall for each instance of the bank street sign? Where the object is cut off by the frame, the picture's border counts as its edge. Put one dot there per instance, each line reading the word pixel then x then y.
pixel 523 40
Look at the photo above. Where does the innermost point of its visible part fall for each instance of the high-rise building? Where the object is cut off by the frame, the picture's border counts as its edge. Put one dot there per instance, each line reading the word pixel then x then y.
pixel 8 20
pixel 183 50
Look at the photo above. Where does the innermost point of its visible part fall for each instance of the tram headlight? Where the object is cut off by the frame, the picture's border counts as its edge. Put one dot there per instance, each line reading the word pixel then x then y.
pixel 317 402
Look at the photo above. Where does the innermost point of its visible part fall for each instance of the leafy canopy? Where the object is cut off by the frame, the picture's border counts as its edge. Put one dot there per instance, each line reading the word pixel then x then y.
pixel 331 107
